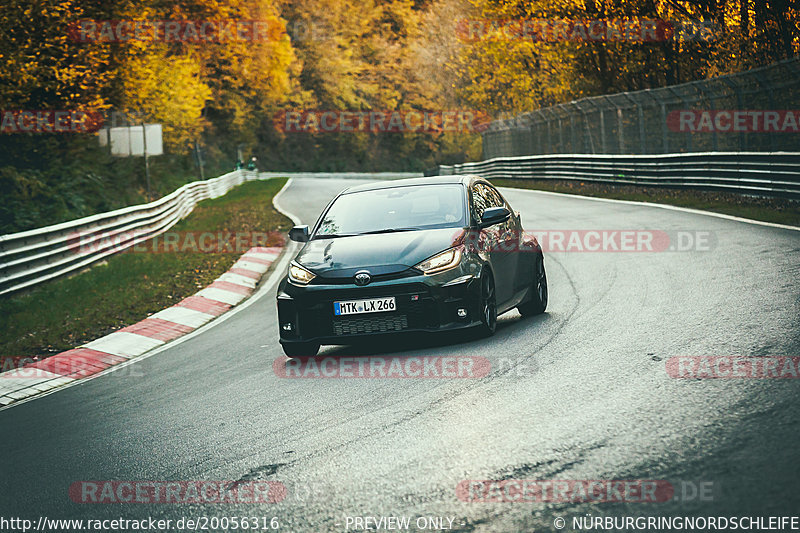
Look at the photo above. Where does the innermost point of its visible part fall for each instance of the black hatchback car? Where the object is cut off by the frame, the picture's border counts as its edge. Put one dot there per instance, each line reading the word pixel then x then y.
pixel 422 254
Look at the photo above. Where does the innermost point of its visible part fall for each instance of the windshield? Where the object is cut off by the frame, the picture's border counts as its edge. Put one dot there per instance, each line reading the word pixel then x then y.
pixel 394 209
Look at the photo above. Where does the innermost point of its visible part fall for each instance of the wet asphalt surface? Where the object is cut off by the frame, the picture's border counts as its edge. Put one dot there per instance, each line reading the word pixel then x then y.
pixel 579 393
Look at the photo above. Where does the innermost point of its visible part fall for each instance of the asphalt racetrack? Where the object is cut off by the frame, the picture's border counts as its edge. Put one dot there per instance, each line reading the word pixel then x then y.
pixel 579 393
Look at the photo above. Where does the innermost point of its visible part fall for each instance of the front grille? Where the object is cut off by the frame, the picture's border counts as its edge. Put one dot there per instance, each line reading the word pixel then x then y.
pixel 373 324
pixel 349 280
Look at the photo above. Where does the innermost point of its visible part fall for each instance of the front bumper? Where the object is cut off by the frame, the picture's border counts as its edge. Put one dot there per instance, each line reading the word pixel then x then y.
pixel 424 304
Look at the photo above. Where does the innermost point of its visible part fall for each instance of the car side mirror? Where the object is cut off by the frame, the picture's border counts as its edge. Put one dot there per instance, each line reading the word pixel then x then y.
pixel 494 215
pixel 299 234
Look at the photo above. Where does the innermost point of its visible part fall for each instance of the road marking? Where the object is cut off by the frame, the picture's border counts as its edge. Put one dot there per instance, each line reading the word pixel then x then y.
pixel 123 344
pixel 204 305
pixel 238 279
pixel 261 256
pixel 183 315
pixel 158 328
pixel 251 265
pixel 220 295
pixel 252 274
pixel 19 383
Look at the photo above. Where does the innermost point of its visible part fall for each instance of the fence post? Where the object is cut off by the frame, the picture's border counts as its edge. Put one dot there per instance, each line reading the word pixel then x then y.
pixel 711 98
pixel 588 141
pixel 640 114
pixel 685 104
pixel 603 130
pixel 760 79
pixel 564 109
pixel 531 142
pixel 739 105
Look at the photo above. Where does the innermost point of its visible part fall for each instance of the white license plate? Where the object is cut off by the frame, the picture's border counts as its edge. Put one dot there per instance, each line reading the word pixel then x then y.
pixel 357 307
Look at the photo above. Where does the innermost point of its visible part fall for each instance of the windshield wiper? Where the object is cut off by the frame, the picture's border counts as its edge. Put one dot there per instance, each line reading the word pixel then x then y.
pixel 389 230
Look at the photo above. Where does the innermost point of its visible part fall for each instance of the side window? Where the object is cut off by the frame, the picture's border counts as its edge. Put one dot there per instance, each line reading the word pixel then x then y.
pixel 484 196
pixel 479 201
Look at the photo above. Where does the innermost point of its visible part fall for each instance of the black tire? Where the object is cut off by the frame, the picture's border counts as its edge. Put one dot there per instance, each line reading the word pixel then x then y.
pixel 488 306
pixel 538 300
pixel 300 349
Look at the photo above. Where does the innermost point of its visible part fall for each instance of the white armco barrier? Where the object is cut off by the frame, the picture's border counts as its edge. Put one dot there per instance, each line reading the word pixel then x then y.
pixel 31 257
pixel 771 174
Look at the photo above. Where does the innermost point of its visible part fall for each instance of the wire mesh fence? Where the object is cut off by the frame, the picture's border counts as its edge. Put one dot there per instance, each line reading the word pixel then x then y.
pixel 753 111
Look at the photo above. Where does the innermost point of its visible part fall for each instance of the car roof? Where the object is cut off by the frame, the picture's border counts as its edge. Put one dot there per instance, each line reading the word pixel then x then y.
pixel 408 182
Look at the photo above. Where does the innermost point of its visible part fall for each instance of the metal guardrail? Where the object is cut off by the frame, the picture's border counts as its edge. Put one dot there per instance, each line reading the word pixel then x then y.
pixel 345 175
pixel 31 257
pixel 753 173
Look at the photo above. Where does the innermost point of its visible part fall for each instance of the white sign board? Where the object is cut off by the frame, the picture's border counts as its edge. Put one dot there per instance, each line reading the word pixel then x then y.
pixel 127 141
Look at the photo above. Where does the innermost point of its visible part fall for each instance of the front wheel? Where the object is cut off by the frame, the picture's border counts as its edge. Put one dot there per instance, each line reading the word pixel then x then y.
pixel 300 349
pixel 488 307
pixel 538 300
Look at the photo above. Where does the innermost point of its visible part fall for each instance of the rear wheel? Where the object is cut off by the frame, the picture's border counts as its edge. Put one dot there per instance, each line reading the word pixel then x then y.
pixel 488 306
pixel 538 300
pixel 300 349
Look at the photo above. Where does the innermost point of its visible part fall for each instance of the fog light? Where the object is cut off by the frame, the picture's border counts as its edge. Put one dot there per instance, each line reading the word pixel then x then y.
pixel 287 326
pixel 462 313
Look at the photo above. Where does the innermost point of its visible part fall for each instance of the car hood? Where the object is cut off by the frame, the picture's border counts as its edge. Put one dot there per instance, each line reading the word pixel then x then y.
pixel 385 253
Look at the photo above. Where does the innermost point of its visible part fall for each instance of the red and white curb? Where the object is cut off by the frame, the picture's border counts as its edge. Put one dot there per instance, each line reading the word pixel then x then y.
pixel 132 341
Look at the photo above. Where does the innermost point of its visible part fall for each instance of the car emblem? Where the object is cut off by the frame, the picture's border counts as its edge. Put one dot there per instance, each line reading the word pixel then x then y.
pixel 363 278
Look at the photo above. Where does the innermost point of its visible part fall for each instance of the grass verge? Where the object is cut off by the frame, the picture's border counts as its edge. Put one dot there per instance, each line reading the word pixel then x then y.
pixel 65 313
pixel 775 210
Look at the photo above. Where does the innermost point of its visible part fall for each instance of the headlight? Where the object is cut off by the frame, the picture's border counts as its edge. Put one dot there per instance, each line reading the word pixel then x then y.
pixel 441 262
pixel 300 275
